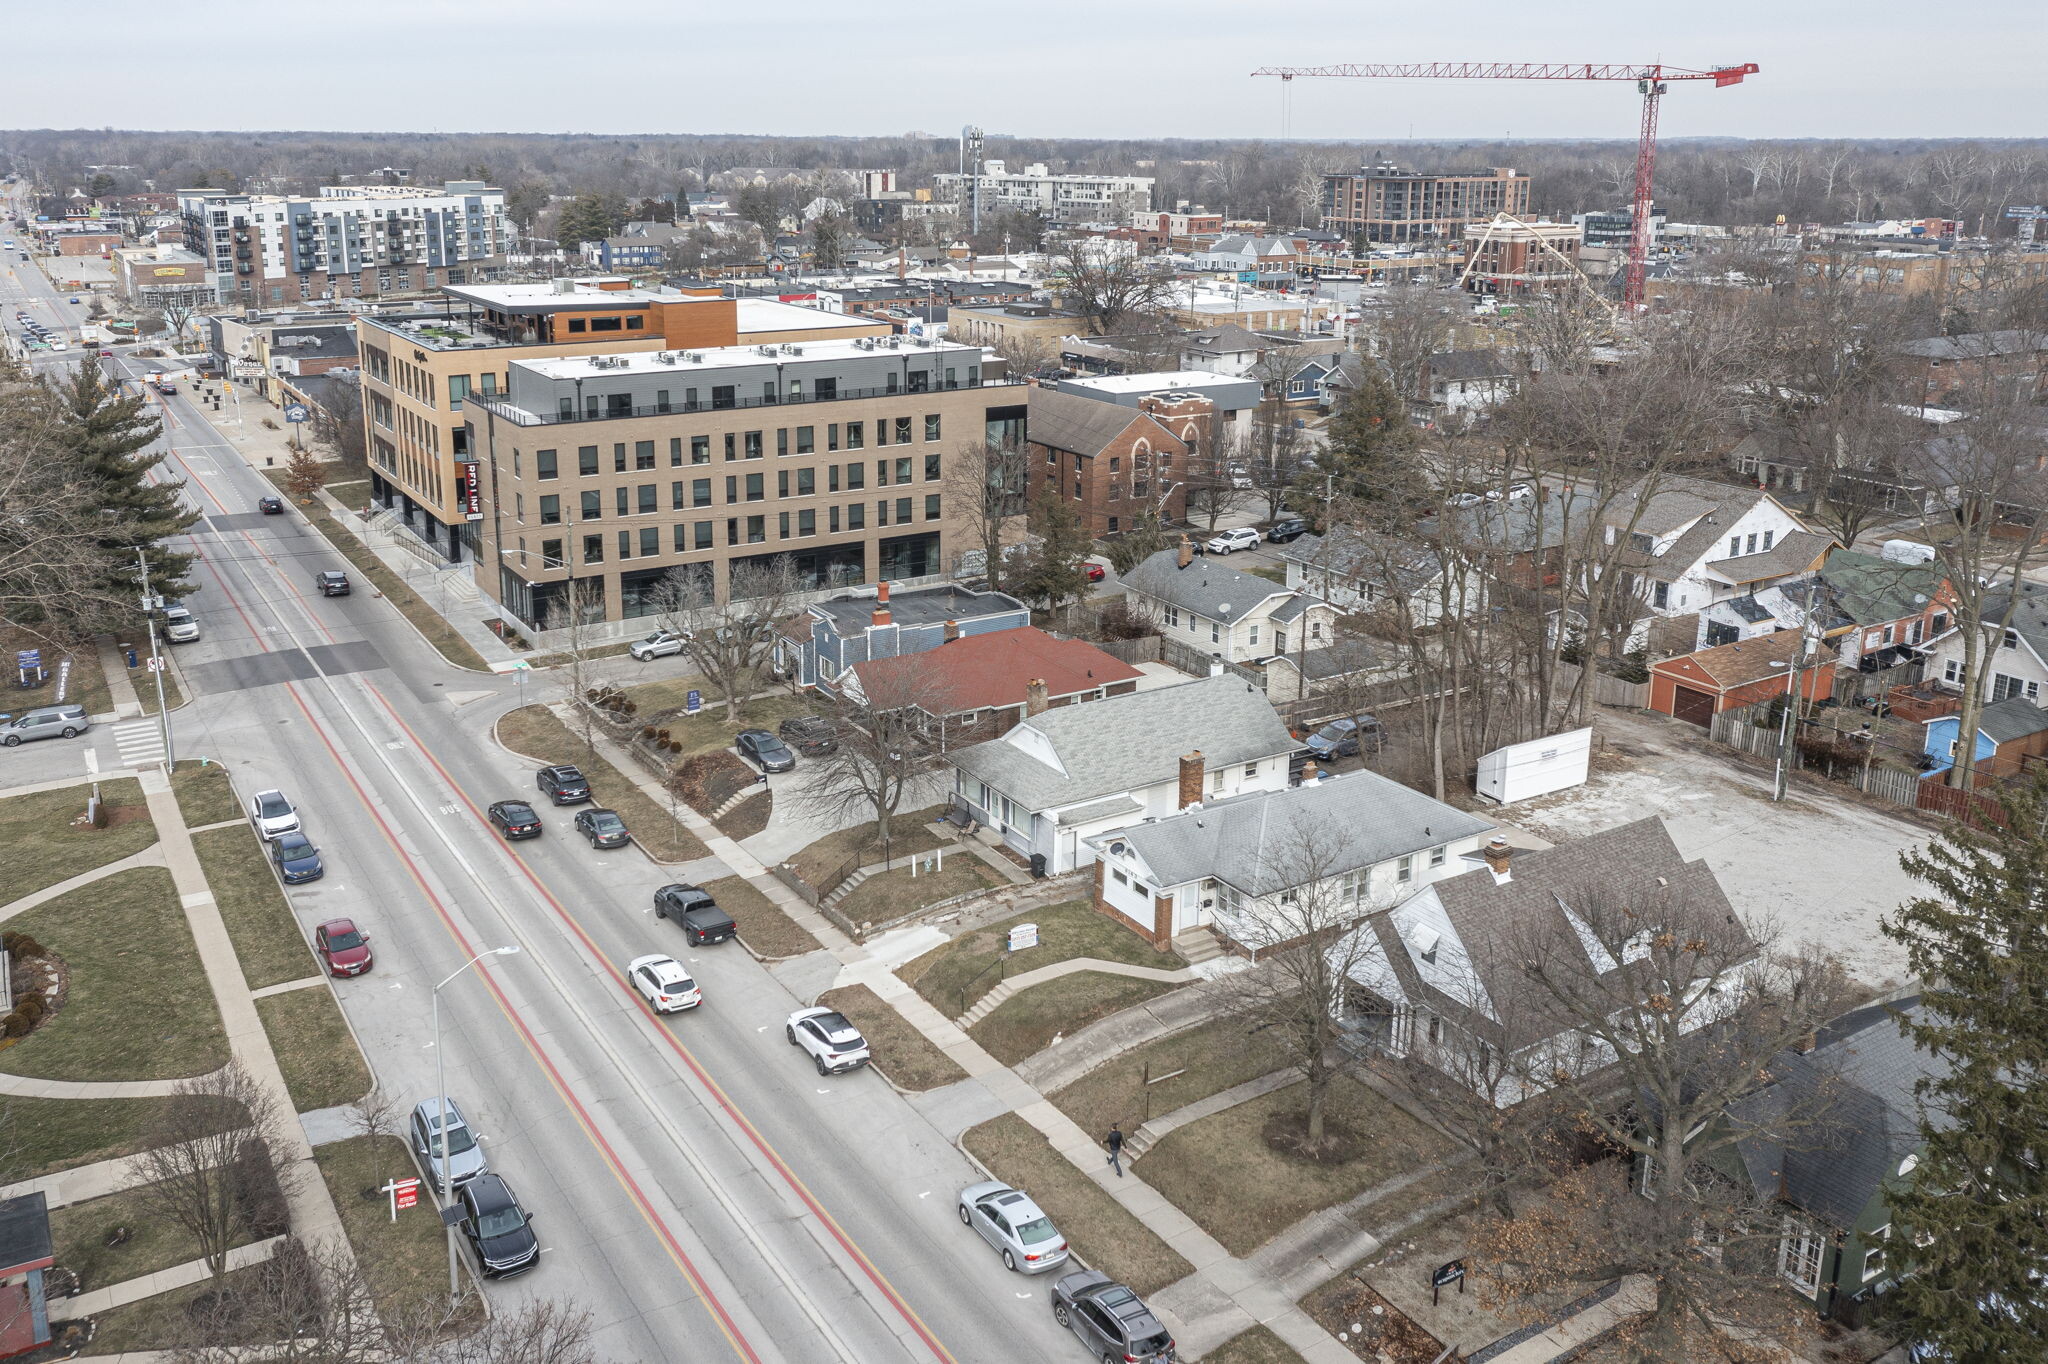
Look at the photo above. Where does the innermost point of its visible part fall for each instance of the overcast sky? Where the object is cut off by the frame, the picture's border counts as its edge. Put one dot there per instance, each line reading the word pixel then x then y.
pixel 1113 68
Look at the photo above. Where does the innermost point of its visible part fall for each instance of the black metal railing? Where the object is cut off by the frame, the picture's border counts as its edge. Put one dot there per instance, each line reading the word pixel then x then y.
pixel 521 417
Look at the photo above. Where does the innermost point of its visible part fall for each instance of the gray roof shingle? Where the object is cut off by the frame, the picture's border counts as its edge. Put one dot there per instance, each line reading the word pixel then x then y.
pixel 1086 426
pixel 2013 718
pixel 1207 587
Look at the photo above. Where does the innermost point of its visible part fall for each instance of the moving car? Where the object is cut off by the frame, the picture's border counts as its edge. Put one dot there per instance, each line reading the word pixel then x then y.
pixel 657 645
pixel 1343 738
pixel 1244 537
pixel 77 301
pixel 44 722
pixel 1017 1227
pixel 344 947
pixel 768 752
pixel 832 1041
pixel 514 819
pixel 270 506
pixel 332 582
pixel 498 1229
pixel 296 859
pixel 603 828
pixel 180 625
pixel 702 920
pixel 563 784
pixel 465 1158
pixel 810 735
pixel 1287 529
pixel 664 984
pixel 1111 1320
pixel 272 814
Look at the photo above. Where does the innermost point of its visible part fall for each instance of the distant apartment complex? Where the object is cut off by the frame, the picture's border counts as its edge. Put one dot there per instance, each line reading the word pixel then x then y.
pixel 1384 203
pixel 1061 198
pixel 352 241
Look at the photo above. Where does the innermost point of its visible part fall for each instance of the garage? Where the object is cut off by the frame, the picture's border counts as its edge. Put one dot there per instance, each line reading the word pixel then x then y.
pixel 1694 707
pixel 1698 686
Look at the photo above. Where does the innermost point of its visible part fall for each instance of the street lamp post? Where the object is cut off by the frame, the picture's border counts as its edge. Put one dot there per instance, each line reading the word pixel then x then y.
pixel 444 1187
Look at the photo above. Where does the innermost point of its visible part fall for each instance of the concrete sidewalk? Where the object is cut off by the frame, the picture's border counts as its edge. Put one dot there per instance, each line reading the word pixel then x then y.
pixel 163 1281
pixel 151 856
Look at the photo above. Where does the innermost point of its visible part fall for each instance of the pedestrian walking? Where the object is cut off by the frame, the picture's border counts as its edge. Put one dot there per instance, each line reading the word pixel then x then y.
pixel 1115 1142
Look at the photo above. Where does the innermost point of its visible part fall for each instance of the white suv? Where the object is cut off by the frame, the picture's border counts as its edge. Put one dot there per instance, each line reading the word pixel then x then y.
pixel 1244 537
pixel 272 814
pixel 657 645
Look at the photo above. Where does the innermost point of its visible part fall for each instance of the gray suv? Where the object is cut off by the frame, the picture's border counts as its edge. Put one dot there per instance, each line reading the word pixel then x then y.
pixel 465 1157
pixel 1111 1320
pixel 45 722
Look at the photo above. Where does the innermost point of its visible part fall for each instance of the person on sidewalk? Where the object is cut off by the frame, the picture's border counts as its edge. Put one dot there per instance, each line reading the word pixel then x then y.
pixel 1115 1142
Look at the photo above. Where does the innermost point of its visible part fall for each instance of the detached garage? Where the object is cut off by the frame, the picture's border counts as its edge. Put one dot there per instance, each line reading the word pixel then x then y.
pixel 1696 687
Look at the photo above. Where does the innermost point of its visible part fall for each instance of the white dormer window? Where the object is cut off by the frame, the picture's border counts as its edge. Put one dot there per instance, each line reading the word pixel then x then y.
pixel 1423 941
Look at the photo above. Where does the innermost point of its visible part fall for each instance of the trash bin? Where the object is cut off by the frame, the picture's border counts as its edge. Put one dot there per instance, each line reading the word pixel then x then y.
pixel 129 650
pixel 1038 866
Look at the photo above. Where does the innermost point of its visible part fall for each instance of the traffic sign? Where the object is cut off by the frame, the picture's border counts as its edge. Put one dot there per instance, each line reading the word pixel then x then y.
pixel 156 663
pixel 28 658
pixel 295 412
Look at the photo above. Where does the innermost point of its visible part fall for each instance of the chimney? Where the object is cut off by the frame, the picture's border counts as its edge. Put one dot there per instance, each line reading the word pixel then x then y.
pixel 1215 665
pixel 1309 771
pixel 1807 1043
pixel 1034 696
pixel 952 631
pixel 881 616
pixel 1497 854
pixel 1190 780
pixel 1185 555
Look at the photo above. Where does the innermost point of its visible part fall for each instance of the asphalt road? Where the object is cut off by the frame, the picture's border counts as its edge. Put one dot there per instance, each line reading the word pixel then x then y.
pixel 696 1185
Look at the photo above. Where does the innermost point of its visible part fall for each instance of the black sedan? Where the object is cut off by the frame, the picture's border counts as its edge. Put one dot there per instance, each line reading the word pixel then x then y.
pixel 769 753
pixel 514 819
pixel 498 1229
pixel 270 506
pixel 1285 529
pixel 603 828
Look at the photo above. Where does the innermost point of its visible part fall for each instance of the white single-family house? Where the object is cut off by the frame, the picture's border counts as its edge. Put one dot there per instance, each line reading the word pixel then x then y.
pixel 2011 661
pixel 1202 602
pixel 1358 570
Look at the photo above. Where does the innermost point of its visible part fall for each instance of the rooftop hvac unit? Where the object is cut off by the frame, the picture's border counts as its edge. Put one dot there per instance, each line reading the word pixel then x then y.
pixel 794 350
pixel 666 357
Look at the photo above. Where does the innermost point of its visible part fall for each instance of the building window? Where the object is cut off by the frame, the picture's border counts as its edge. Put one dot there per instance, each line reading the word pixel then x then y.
pixel 807 522
pixel 757 529
pixel 1873 1258
pixel 586 460
pixel 650 541
pixel 593 549
pixel 700 449
pixel 544 464
pixel 593 505
pixel 903 429
pixel 931 426
pixel 703 534
pixel 857 516
pixel 931 467
pixel 643 454
pixel 1173 617
pixel 805 440
pixel 1801 1248
pixel 832 436
pixel 856 435
pixel 1404 868
pixel 1437 855
pixel 931 506
pixel 856 477
pixel 646 498
pixel 1215 632
pixel 753 444
pixel 551 510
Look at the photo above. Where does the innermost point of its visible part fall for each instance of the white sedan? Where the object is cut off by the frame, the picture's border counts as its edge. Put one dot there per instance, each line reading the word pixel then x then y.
pixel 657 645
pixel 664 984
pixel 1244 537
pixel 833 1042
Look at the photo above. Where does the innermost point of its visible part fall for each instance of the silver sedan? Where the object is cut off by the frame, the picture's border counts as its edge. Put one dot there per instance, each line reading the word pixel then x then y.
pixel 1017 1227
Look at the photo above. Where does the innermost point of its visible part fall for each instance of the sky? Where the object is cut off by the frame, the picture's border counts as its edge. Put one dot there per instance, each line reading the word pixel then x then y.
pixel 1111 69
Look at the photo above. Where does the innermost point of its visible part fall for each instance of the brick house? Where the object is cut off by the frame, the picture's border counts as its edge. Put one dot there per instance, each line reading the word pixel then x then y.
pixel 1951 371
pixel 1112 462
pixel 980 685
pixel 1698 686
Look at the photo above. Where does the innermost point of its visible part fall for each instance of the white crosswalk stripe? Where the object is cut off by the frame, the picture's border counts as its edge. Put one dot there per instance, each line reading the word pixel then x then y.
pixel 140 744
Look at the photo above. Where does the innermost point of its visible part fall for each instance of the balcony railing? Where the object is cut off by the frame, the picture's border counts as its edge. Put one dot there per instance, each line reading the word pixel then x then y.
pixel 521 417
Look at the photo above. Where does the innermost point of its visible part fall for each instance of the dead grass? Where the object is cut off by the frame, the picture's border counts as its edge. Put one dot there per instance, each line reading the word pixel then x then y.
pixel 908 833
pixel 1256 1346
pixel 748 818
pixel 205 796
pixel 539 734
pixel 80 1233
pixel 1216 1056
pixel 763 926
pixel 267 938
pixel 400 1259
pixel 1026 1022
pixel 957 973
pixel 893 894
pixel 909 1058
pixel 708 731
pixel 44 846
pixel 1101 1230
pixel 87 686
pixel 323 1068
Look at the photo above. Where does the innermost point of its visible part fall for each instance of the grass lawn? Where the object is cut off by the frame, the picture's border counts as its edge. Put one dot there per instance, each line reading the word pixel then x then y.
pixel 155 1323
pixel 1065 931
pixel 1099 1228
pixel 204 793
pixel 137 1006
pixel 749 817
pixel 537 732
pixel 707 731
pixel 266 937
pixel 352 494
pixel 1025 1023
pixel 590 652
pixel 1221 1172
pixel 907 834
pixel 88 684
pixel 145 687
pixel 763 926
pixel 1212 1058
pixel 443 636
pixel 672 693
pixel 1256 1346
pixel 322 1066
pixel 43 1136
pixel 79 1234
pixel 905 1055
pixel 45 847
pixel 892 894
pixel 399 1259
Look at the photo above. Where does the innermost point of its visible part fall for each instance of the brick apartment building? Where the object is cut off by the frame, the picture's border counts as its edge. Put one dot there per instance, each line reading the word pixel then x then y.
pixel 1384 203
pixel 1116 464
pixel 1518 257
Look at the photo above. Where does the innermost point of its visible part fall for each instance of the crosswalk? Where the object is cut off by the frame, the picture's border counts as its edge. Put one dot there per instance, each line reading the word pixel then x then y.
pixel 140 744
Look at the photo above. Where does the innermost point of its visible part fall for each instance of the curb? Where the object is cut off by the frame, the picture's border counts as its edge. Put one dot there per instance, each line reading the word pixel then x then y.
pixel 528 757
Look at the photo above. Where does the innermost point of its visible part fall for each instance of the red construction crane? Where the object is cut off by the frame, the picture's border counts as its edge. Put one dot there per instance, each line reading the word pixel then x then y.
pixel 1650 81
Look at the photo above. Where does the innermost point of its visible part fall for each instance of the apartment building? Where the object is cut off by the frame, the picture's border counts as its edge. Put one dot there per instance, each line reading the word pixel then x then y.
pixel 1915 268
pixel 1507 256
pixel 599 476
pixel 351 241
pixel 1384 203
pixel 1063 199
pixel 421 368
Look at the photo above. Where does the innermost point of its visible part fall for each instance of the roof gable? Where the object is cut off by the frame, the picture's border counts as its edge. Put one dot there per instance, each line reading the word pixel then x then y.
pixel 1209 588
pixel 1087 426
pixel 978 671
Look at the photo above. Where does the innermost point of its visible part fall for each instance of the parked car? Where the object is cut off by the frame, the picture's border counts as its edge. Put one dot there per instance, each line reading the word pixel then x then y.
pixel 657 645
pixel 1244 537
pixel 1017 1227
pixel 332 582
pixel 1093 571
pixel 1240 477
pixel 497 1228
pixel 1521 492
pixel 832 1041
pixel 270 506
pixel 514 819
pixel 44 722
pixel 1344 737
pixel 180 625
pixel 563 784
pixel 272 814
pixel 664 984
pixel 603 828
pixel 296 859
pixel 767 751
pixel 1111 1320
pixel 702 920
pixel 810 735
pixel 465 1159
pixel 1286 529
pixel 344 947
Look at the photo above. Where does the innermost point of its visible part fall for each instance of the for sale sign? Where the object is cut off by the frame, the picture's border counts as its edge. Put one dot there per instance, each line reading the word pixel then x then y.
pixel 404 1193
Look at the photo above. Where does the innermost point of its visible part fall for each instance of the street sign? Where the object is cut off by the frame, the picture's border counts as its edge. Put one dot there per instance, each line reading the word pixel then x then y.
pixel 1247 277
pixel 28 658
pixel 693 703
pixel 1023 936
pixel 156 663
pixel 1443 1275
pixel 2026 211
pixel 295 412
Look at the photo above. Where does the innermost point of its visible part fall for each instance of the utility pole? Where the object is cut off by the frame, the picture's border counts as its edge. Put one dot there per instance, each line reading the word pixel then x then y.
pixel 1785 725
pixel 156 665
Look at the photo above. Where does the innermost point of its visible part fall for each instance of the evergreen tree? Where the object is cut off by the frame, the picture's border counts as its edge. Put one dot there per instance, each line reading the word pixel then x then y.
pixel 103 438
pixel 1051 572
pixel 1971 1225
pixel 587 218
pixel 1368 441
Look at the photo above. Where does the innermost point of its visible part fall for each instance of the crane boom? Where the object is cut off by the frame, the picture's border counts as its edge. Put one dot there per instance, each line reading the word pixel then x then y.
pixel 1650 79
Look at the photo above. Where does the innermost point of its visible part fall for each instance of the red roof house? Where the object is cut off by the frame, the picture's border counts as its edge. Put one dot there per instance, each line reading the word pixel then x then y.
pixel 994 679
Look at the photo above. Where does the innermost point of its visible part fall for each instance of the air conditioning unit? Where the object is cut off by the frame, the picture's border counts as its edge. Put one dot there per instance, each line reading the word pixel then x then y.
pixel 665 357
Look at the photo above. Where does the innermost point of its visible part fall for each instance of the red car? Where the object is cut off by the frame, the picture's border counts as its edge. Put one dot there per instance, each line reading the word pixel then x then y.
pixel 344 947
pixel 1094 571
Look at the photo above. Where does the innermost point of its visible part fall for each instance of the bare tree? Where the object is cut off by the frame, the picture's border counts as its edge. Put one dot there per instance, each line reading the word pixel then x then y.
pixel 216 1135
pixel 987 490
pixel 1277 453
pixel 890 733
pixel 338 428
pixel 729 638
pixel 1403 327
pixel 572 619
pixel 1108 286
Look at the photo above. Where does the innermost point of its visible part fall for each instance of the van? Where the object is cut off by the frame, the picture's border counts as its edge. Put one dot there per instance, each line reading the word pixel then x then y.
pixel 45 722
pixel 180 626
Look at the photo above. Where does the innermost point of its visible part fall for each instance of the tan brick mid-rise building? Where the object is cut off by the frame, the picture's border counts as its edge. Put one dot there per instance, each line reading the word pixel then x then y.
pixel 1384 203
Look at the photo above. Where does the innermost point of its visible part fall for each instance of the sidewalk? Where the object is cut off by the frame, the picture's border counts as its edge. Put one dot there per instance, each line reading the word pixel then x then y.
pixel 163 1281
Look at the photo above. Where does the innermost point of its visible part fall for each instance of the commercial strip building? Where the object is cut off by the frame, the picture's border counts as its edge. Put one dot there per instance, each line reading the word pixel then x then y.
pixel 351 241
pixel 1384 203
pixel 596 477
pixel 1063 199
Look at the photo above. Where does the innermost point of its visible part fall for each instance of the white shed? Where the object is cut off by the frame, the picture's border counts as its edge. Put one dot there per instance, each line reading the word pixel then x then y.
pixel 1536 768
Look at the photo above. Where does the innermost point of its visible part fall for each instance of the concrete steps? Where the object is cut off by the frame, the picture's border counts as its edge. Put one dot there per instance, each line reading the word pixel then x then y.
pixel 1198 945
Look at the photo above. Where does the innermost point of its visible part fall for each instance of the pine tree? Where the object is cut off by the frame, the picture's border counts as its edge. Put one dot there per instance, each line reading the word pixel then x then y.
pixel 588 218
pixel 1971 1225
pixel 103 437
pixel 1368 440
pixel 1051 572
pixel 304 474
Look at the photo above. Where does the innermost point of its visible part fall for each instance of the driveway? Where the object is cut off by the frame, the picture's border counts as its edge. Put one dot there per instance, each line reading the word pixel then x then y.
pixel 1824 868
pixel 794 825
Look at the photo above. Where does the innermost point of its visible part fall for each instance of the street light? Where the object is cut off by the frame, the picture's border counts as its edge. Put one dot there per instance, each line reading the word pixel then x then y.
pixel 445 1186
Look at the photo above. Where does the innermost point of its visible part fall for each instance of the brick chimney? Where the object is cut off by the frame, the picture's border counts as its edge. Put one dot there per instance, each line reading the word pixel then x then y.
pixel 1185 554
pixel 952 631
pixel 1497 854
pixel 1035 699
pixel 1190 780
pixel 1309 771
pixel 881 616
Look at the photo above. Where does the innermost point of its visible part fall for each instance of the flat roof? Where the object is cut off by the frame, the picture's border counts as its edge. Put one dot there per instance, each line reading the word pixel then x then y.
pixel 773 315
pixel 729 357
pixel 1157 381
pixel 545 298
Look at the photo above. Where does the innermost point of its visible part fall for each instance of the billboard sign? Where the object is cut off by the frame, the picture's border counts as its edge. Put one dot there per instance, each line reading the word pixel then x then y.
pixel 470 494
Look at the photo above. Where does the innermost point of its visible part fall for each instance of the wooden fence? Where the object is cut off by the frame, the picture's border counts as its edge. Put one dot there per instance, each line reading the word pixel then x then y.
pixel 1603 689
pixel 1740 729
